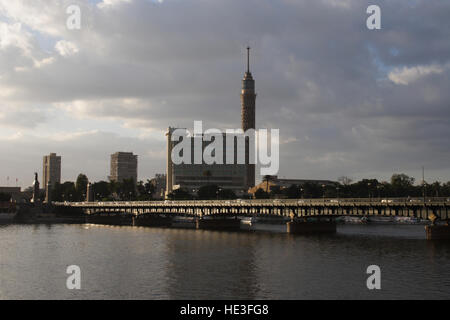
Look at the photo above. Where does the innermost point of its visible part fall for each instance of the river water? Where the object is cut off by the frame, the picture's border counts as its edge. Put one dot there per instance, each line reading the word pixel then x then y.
pixel 152 263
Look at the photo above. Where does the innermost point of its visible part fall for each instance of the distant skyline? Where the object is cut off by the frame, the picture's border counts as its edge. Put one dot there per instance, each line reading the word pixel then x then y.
pixel 348 101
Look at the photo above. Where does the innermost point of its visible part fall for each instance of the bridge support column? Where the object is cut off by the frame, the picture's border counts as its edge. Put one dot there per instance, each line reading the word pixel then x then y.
pixel 218 224
pixel 438 232
pixel 310 227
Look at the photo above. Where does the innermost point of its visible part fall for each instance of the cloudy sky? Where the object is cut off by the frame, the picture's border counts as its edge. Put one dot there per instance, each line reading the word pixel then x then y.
pixel 347 100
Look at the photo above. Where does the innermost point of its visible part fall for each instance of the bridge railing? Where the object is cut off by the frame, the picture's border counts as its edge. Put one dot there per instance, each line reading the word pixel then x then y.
pixel 263 202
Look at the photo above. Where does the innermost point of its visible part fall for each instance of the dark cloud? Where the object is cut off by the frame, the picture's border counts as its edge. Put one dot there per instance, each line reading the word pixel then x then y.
pixel 322 77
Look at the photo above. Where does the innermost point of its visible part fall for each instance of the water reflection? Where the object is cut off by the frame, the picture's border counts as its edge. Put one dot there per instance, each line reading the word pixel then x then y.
pixel 152 263
pixel 200 262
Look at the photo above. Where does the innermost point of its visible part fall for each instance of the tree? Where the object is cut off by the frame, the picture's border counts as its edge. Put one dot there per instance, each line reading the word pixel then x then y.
pixel 145 190
pixel 267 179
pixel 65 192
pixel 436 189
pixel 227 194
pixel 208 192
pixel 261 194
pixel 101 190
pixel 292 192
pixel 81 186
pixel 128 189
pixel 179 194
pixel 446 189
pixel 402 185
pixel 345 180
pixel 150 187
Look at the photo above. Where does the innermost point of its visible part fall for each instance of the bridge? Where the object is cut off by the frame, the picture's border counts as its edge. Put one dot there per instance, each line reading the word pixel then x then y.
pixel 305 215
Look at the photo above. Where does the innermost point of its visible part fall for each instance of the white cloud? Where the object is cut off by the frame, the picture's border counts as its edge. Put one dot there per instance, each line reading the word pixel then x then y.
pixel 66 48
pixel 13 35
pixel 112 3
pixel 407 75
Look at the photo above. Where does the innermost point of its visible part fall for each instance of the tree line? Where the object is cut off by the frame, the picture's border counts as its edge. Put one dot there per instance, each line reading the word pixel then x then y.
pixel 400 185
pixel 126 190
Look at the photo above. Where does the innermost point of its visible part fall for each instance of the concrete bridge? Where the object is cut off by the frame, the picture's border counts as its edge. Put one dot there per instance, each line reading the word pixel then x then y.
pixel 305 215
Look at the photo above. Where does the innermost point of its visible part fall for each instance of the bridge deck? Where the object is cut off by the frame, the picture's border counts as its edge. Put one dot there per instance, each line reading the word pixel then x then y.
pixel 401 207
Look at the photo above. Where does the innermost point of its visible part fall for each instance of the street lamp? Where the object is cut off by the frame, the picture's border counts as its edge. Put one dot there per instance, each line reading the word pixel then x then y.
pixel 337 189
pixel 370 194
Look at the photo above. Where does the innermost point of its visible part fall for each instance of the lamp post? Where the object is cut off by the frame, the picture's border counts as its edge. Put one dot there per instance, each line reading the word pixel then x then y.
pixel 323 193
pixel 423 184
pixel 193 198
pixel 370 194
pixel 337 190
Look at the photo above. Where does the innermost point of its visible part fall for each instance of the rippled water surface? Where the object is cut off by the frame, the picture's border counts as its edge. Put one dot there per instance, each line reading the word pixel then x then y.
pixel 152 263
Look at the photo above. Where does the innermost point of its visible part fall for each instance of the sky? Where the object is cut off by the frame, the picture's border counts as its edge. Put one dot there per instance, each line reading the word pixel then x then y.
pixel 348 101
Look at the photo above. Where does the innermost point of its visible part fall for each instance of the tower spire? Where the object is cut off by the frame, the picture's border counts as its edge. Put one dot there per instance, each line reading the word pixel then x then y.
pixel 248 59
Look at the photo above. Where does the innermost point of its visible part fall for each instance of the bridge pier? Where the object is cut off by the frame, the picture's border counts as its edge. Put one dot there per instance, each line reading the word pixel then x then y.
pixel 438 231
pixel 310 227
pixel 218 224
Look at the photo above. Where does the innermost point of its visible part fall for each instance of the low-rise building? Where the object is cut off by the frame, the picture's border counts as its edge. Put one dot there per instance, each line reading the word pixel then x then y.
pixel 281 183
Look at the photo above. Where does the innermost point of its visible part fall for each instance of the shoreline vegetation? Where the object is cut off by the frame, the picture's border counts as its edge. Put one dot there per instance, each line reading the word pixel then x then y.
pixel 400 185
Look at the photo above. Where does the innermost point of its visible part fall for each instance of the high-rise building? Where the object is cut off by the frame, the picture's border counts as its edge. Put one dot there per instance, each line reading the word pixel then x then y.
pixel 123 166
pixel 191 176
pixel 248 116
pixel 51 171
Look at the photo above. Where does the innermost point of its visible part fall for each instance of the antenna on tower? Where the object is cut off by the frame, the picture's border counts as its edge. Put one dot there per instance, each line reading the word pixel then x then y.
pixel 248 59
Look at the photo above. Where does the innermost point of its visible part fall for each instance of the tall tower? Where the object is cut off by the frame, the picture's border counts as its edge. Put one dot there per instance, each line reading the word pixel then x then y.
pixel 248 99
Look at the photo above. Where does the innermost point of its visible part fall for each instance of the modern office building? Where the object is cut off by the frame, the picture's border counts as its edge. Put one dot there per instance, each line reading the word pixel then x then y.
pixel 191 176
pixel 123 166
pixel 51 171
